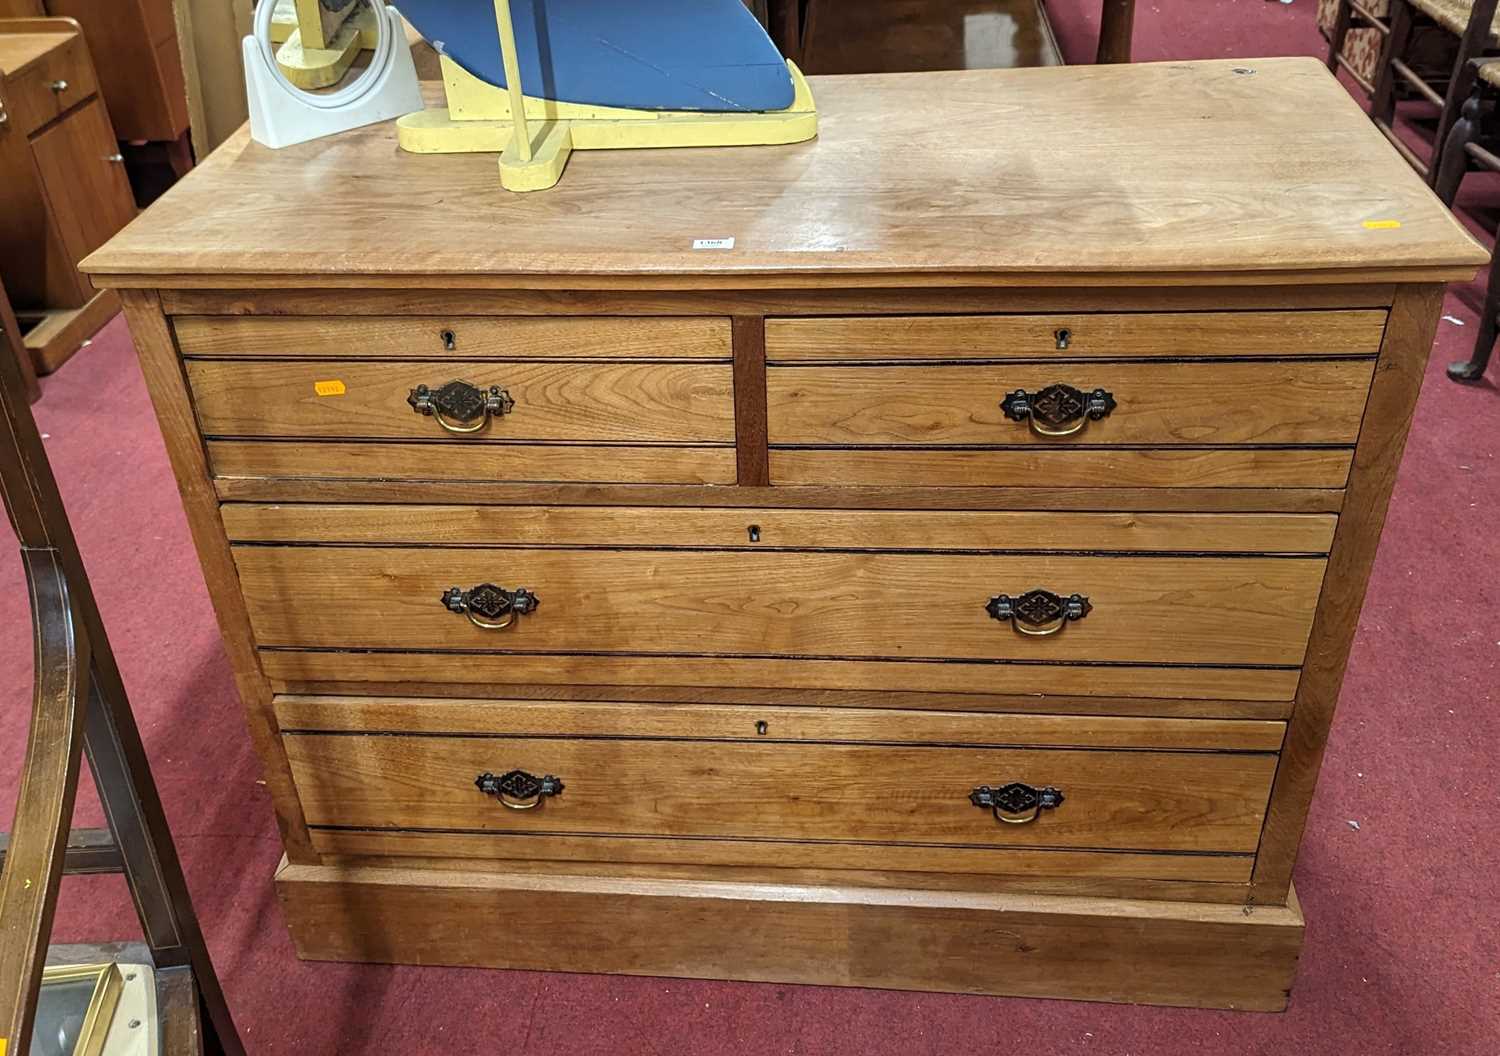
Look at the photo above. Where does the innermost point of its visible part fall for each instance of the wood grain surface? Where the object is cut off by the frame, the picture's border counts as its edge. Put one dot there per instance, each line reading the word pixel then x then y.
pixel 438 460
pixel 1071 467
pixel 1088 336
pixel 452 336
pixel 1181 610
pixel 1279 182
pixel 811 529
pixel 762 724
pixel 653 402
pixel 1270 402
pixel 1144 800
pixel 1177 953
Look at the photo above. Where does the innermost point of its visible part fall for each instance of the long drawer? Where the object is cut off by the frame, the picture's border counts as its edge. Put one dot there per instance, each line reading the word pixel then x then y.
pixel 1166 609
pixel 810 775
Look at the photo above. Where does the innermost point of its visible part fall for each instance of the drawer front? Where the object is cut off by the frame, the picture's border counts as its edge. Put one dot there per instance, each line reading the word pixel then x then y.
pixel 1167 609
pixel 642 402
pixel 1075 336
pixel 1204 403
pixel 60 79
pixel 910 794
pixel 445 337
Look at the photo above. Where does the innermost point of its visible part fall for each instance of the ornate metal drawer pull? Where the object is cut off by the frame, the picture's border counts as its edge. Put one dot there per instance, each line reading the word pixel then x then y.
pixel 1016 803
pixel 1038 612
pixel 488 606
pixel 460 407
pixel 1057 410
pixel 517 789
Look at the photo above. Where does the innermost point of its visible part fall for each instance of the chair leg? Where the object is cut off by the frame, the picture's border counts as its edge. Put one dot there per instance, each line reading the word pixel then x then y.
pixel 1489 326
pixel 1452 158
pixel 1341 19
pixel 1383 101
pixel 1471 45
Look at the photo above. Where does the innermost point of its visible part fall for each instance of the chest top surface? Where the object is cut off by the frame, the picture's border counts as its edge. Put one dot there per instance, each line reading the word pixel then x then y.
pixel 1110 173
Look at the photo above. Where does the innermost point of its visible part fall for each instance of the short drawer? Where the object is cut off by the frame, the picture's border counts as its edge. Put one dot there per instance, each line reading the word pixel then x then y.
pixel 1075 336
pixel 447 337
pixel 1167 609
pixel 55 82
pixel 1210 403
pixel 816 775
pixel 465 401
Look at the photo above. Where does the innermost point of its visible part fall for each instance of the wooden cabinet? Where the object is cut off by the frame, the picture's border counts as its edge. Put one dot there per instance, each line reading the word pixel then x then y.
pixel 972 550
pixel 64 190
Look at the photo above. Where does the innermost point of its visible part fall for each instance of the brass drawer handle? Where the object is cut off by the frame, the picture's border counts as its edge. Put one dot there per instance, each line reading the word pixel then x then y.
pixel 1038 613
pixel 517 789
pixel 489 607
pixel 1058 410
pixel 1016 803
pixel 460 407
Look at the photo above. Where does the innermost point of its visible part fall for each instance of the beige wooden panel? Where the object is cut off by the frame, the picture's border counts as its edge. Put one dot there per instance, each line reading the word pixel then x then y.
pixel 1179 334
pixel 779 528
pixel 443 337
pixel 770 723
pixel 453 461
pixel 1043 467
pixel 1272 402
pixel 1145 610
pixel 1158 800
pixel 652 402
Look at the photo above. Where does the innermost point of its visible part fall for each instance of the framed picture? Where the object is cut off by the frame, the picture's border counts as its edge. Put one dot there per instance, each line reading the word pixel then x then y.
pixel 75 1008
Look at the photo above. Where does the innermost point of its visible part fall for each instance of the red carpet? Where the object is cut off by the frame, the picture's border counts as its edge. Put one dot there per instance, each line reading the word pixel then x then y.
pixel 1401 953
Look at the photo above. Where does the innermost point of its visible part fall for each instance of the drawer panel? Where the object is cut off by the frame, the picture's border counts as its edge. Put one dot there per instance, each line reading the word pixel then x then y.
pixel 1157 800
pixel 654 402
pixel 61 78
pixel 438 460
pixel 1064 467
pixel 1205 403
pixel 1311 333
pixel 1172 610
pixel 635 526
pixel 444 337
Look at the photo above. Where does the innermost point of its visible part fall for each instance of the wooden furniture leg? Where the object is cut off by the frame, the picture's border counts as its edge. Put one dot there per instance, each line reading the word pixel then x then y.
pixel 1453 162
pixel 8 327
pixel 1473 42
pixel 1383 99
pixel 80 706
pixel 1473 368
pixel 1116 29
pixel 1342 19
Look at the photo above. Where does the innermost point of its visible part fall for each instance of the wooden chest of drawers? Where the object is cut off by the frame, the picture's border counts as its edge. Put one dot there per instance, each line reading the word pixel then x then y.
pixel 947 587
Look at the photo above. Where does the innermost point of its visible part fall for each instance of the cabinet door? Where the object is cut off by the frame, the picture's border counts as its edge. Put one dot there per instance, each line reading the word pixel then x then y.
pixel 88 193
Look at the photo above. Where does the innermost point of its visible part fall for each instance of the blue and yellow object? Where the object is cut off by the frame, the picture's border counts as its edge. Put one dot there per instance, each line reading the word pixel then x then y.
pixel 601 74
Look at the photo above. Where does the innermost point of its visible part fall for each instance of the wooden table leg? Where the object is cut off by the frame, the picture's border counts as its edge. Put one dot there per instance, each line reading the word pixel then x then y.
pixel 11 344
pixel 1116 26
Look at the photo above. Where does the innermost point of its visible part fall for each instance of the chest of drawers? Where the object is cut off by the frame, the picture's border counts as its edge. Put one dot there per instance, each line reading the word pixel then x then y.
pixel 948 587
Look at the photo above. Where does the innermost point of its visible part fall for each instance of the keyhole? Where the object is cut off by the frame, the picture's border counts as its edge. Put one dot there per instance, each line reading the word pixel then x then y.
pixel 1063 337
pixel 761 728
pixel 450 340
pixel 754 532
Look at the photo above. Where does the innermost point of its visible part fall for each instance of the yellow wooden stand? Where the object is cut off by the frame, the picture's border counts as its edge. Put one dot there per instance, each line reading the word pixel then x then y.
pixel 534 136
pixel 316 50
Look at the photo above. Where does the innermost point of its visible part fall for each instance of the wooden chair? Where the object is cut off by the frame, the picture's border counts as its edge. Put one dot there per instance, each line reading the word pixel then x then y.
pixel 79 706
pixel 1356 32
pixel 1474 142
pixel 1472 22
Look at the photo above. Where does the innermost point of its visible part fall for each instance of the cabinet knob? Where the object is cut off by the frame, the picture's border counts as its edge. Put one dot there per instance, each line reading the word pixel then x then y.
pixel 1058 410
pixel 1016 803
pixel 460 407
pixel 117 159
pixel 59 86
pixel 489 607
pixel 517 789
pixel 1038 613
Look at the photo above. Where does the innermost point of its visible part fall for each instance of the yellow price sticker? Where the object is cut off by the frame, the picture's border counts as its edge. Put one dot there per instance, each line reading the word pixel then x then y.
pixel 1381 225
pixel 322 388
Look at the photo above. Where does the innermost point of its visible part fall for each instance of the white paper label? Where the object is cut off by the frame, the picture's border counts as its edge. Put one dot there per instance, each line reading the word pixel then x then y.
pixel 713 243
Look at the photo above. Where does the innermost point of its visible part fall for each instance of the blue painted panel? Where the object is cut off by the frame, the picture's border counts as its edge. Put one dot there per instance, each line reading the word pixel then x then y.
pixel 645 54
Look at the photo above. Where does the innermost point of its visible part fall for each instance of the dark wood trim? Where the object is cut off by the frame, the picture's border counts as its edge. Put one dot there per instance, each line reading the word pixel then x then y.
pixel 1393 399
pixel 751 454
